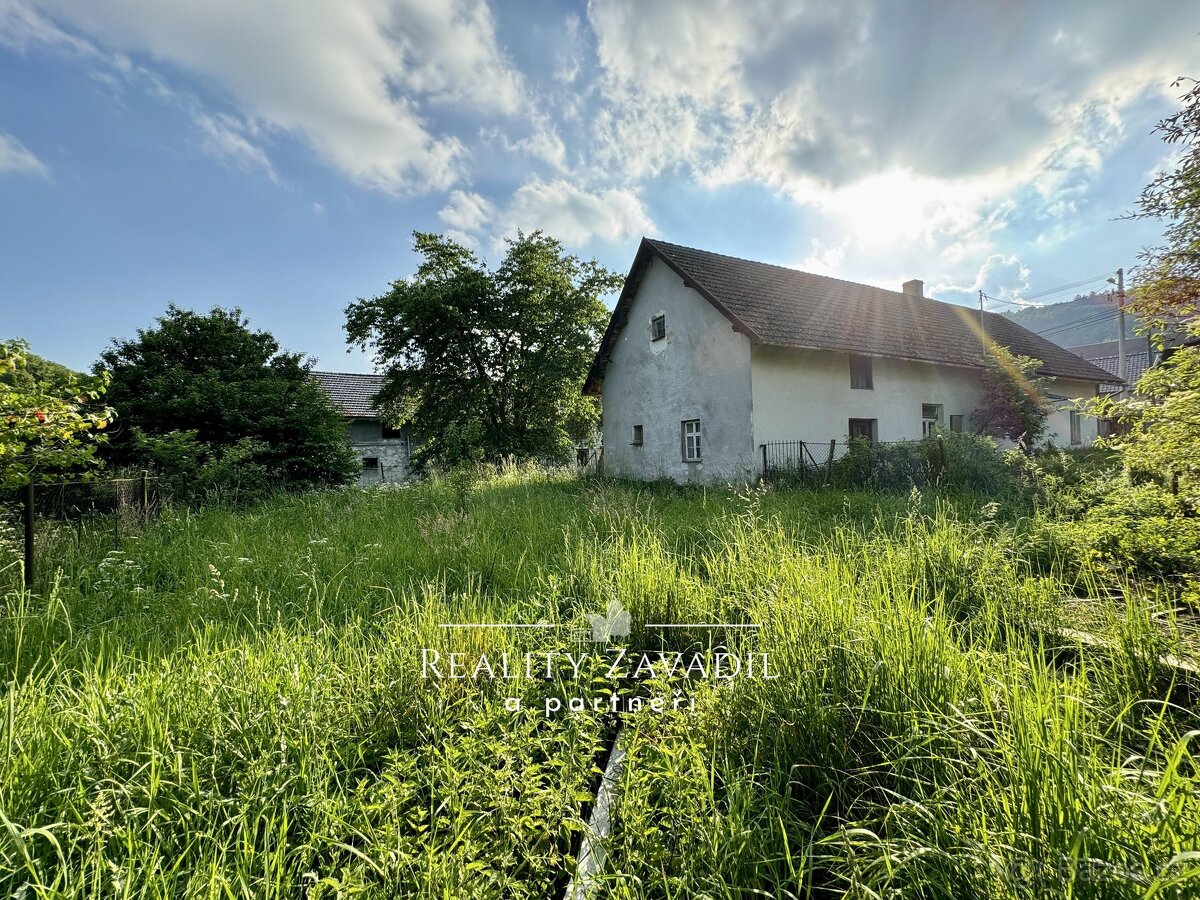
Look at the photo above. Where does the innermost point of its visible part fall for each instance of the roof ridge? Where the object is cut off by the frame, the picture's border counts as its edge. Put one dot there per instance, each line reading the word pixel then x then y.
pixel 793 271
pixel 354 374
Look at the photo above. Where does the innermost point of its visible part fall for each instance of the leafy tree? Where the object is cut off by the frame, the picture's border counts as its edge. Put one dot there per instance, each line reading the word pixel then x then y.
pixel 1166 288
pixel 1014 401
pixel 1160 436
pixel 51 419
pixel 38 370
pixel 205 392
pixel 488 364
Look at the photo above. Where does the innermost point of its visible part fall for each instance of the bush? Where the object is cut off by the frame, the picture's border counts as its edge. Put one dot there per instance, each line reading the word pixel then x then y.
pixel 947 460
pixel 1137 529
pixel 192 471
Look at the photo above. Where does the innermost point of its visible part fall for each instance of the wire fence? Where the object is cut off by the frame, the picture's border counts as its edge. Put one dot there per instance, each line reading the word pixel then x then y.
pixel 129 501
pixel 803 460
pixel 381 472
pixel 945 459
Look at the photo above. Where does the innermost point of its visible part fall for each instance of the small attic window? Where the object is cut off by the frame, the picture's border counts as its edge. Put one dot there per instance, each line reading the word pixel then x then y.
pixel 861 374
pixel 658 328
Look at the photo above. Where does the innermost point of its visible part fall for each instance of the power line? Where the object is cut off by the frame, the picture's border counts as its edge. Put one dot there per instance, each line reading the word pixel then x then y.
pixel 1107 316
pixel 1025 301
pixel 1075 323
pixel 1021 303
pixel 1103 276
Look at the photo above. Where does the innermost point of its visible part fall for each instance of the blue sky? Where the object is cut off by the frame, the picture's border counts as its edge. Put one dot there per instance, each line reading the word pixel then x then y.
pixel 277 156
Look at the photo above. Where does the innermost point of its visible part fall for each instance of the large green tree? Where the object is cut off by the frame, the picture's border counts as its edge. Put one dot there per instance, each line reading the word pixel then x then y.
pixel 204 396
pixel 486 364
pixel 1161 433
pixel 51 419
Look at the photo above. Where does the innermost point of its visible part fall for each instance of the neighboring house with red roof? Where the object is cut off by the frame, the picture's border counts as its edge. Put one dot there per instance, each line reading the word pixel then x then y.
pixel 384 451
pixel 707 358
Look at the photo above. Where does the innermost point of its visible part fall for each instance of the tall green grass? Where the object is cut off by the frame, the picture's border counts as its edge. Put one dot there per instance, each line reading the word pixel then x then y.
pixel 229 704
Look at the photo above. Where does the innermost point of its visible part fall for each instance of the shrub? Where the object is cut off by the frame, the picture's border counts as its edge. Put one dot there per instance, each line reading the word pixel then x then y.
pixel 1136 528
pixel 948 460
pixel 192 471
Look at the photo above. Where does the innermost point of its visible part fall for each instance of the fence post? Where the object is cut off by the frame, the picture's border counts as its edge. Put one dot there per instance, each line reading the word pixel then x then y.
pixel 29 536
pixel 145 493
pixel 764 456
pixel 829 462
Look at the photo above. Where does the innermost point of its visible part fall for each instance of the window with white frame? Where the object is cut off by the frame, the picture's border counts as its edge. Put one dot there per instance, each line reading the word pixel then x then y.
pixel 637 436
pixel 1076 428
pixel 931 417
pixel 689 439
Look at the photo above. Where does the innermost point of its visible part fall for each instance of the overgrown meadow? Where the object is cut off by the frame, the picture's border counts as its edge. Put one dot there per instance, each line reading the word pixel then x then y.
pixel 230 703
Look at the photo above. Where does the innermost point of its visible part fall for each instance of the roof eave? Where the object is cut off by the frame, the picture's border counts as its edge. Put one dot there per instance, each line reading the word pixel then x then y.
pixel 1107 379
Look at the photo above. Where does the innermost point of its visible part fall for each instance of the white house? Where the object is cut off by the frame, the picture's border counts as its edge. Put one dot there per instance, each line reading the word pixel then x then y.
pixel 384 451
pixel 707 358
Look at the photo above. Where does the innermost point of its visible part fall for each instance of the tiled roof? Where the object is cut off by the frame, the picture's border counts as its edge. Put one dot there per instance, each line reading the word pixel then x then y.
pixel 1106 356
pixel 352 391
pixel 783 307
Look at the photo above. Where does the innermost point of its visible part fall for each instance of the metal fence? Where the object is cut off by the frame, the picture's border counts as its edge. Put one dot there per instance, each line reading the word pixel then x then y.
pixel 135 498
pixel 382 473
pixel 137 495
pixel 806 460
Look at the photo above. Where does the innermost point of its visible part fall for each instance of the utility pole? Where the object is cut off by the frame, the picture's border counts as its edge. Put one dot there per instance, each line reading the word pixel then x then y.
pixel 1121 324
pixel 982 333
pixel 1119 281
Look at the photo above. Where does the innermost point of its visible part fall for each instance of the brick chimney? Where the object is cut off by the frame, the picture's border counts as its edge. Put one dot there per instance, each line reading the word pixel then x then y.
pixel 915 288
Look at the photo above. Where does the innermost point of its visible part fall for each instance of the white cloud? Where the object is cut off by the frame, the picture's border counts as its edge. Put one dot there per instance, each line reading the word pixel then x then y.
pixel 562 209
pixel 914 139
pixel 574 215
pixel 16 157
pixel 466 211
pixel 355 79
pixel 822 260
pixel 1001 277
pixel 546 145
pixel 840 91
pixel 22 28
pixel 228 138
pixel 907 140
pixel 462 237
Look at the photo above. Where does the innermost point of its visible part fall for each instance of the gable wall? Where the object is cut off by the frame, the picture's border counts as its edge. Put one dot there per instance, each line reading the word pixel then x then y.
pixel 700 370
pixel 367 440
